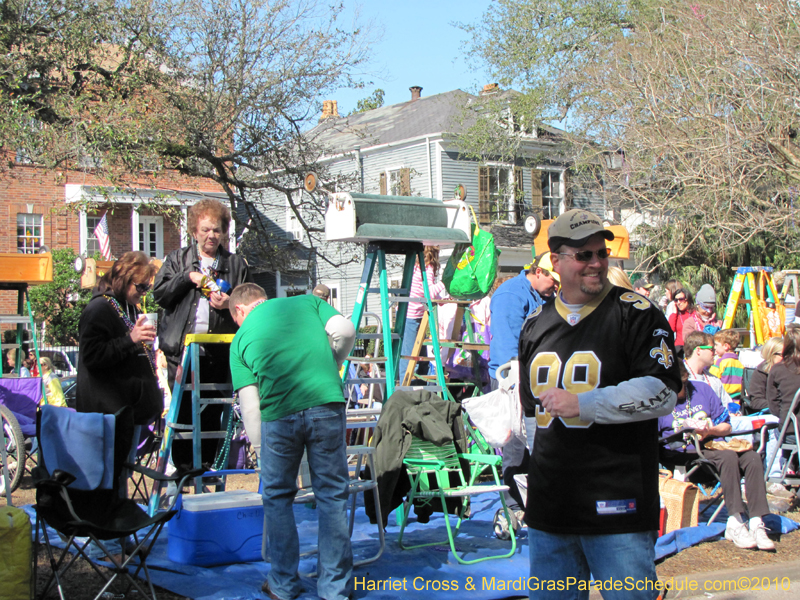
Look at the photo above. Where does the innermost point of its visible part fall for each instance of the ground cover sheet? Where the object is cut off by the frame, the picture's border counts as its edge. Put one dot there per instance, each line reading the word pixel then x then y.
pixel 430 573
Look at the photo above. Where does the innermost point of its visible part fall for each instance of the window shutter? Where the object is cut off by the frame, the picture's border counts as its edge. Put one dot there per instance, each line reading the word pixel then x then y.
pixel 484 216
pixel 383 183
pixel 519 194
pixel 566 189
pixel 536 191
pixel 405 182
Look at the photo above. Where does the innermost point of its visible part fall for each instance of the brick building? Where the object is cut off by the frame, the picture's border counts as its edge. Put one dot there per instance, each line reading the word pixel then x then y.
pixel 60 209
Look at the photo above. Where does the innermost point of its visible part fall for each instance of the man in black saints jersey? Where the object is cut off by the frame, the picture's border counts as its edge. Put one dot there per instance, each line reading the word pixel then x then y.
pixel 597 369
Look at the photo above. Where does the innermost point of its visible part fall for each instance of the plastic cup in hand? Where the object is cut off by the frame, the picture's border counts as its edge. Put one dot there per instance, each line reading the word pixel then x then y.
pixel 734 408
pixel 151 319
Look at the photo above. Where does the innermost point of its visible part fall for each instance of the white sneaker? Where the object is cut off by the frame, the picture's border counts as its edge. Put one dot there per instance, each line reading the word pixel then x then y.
pixel 762 541
pixel 741 536
pixel 776 489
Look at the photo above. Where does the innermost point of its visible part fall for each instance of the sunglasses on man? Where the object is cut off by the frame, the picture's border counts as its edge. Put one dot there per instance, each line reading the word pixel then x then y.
pixel 585 256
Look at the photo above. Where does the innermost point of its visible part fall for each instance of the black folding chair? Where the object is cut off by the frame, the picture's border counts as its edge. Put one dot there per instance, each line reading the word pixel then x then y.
pixel 789 445
pixel 86 503
pixel 699 470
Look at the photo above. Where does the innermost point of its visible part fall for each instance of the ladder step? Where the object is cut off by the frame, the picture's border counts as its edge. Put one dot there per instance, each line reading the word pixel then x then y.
pixel 407 299
pixel 207 401
pixel 15 320
pixel 366 380
pixel 362 360
pixel 204 435
pixel 180 426
pixel 415 388
pixel 9 346
pixel 375 336
pixel 391 291
pixel 213 387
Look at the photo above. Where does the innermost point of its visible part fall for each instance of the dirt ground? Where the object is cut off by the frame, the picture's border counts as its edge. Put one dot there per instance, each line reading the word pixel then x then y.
pixel 83 583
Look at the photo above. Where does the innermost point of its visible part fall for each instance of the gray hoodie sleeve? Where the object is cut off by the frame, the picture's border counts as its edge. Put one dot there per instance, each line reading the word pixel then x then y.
pixel 637 399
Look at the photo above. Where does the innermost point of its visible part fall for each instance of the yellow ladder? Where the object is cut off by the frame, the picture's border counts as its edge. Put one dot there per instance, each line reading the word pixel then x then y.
pixel 744 284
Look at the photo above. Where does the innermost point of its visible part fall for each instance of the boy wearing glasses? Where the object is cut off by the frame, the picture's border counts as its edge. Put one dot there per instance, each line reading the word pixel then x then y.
pixel 597 370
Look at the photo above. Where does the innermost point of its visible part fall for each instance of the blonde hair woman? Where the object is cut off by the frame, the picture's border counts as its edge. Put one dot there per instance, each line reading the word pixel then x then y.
pixel 757 390
pixel 55 395
pixel 618 277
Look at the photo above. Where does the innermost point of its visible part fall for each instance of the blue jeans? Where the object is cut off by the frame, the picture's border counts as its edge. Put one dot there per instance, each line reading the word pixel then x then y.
pixel 627 558
pixel 320 431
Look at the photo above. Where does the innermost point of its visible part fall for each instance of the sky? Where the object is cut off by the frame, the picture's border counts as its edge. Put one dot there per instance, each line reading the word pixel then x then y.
pixel 418 46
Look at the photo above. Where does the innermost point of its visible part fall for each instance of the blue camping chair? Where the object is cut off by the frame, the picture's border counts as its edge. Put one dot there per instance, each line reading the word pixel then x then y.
pixel 78 494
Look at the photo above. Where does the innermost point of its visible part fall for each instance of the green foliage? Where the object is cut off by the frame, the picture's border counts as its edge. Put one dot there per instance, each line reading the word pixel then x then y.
pixel 697 100
pixel 370 103
pixel 134 91
pixel 700 262
pixel 370 344
pixel 59 304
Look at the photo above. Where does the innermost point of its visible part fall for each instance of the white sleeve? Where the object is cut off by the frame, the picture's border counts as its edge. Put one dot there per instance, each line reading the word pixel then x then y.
pixel 342 337
pixel 638 399
pixel 250 404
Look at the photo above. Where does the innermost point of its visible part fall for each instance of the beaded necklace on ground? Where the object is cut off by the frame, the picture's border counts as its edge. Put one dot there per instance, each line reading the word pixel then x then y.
pixel 151 357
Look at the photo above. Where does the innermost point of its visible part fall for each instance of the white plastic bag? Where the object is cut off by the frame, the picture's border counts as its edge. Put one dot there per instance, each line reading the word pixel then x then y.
pixel 508 379
pixel 492 415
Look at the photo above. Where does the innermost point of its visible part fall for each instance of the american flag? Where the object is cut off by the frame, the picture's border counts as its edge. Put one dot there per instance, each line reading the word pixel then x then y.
pixel 101 233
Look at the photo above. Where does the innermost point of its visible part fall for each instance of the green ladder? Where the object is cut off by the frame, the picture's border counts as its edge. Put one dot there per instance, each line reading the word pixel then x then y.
pixel 393 336
pixel 174 430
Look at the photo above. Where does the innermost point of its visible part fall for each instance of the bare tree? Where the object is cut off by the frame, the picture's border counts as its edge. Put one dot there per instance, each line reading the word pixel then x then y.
pixel 220 90
pixel 700 100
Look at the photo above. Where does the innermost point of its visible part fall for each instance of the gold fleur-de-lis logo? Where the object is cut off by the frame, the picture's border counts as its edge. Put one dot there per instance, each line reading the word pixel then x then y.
pixel 663 353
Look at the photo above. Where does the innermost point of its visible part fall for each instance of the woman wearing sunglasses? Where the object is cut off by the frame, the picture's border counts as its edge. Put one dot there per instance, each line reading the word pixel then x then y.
pixel 116 358
pixel 684 311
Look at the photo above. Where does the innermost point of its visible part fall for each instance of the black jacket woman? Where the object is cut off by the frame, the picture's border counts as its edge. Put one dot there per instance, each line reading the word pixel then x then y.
pixel 116 358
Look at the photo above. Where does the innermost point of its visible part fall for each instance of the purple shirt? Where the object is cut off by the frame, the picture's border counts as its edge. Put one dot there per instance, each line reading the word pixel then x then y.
pixel 700 403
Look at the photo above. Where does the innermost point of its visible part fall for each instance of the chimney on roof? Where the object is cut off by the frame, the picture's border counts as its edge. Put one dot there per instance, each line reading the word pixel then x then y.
pixel 330 108
pixel 490 88
pixel 416 92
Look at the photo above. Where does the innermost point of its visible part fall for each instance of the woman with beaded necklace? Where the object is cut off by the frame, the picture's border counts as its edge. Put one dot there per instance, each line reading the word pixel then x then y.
pixel 116 355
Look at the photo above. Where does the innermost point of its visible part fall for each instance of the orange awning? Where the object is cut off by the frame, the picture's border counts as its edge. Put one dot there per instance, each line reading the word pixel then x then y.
pixel 620 246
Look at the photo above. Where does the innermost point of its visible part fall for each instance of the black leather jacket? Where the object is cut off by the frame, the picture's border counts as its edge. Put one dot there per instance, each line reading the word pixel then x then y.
pixel 178 296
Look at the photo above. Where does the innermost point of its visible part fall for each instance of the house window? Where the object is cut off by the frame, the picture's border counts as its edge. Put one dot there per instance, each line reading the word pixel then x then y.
pixel 294 229
pixel 292 283
pixel 496 193
pixel 92 245
pixel 396 182
pixel 552 194
pixel 29 233
pixel 151 235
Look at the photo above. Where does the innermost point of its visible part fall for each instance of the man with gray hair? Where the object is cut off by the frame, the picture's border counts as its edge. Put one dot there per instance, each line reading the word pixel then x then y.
pixel 287 353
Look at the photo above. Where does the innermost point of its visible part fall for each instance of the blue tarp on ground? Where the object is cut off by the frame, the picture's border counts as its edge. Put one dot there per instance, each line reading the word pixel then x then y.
pixel 426 571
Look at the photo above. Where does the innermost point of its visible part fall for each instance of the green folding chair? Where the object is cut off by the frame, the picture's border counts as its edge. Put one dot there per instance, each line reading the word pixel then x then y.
pixel 424 459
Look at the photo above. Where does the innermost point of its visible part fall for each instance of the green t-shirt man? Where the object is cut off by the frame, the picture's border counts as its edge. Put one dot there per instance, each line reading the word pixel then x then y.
pixel 283 348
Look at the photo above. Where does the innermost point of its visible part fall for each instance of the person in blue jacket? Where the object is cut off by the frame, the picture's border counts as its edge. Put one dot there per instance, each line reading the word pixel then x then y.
pixel 511 304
